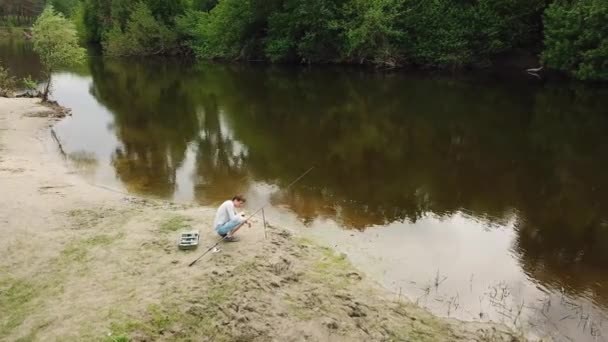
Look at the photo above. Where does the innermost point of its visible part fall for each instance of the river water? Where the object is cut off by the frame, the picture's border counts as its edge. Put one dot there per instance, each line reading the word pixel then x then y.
pixel 480 197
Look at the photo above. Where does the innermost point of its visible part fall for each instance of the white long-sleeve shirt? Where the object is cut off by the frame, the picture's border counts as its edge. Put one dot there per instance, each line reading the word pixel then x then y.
pixel 225 213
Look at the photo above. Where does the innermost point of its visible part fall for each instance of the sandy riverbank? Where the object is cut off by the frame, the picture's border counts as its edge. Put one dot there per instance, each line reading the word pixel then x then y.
pixel 82 263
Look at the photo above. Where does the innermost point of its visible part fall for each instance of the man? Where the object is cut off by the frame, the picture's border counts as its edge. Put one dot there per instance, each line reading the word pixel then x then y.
pixel 227 219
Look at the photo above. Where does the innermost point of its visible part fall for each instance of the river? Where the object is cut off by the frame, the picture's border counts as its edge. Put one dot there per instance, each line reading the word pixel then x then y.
pixel 478 196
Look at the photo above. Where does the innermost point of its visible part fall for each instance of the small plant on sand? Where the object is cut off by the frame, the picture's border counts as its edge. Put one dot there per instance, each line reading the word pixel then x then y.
pixel 8 83
pixel 56 41
pixel 29 84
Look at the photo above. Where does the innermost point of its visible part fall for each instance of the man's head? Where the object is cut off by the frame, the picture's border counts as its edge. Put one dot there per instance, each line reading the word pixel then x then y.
pixel 238 200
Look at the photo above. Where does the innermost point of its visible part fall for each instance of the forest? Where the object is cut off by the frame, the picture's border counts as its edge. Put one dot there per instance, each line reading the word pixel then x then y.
pixel 565 35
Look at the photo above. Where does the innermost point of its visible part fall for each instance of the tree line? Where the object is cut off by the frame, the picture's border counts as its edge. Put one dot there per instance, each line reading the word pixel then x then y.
pixel 568 35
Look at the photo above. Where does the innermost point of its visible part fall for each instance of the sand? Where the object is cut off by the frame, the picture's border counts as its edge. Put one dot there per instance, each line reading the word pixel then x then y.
pixel 82 263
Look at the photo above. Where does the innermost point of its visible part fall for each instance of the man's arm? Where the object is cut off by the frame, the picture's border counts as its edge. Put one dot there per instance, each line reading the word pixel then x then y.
pixel 232 214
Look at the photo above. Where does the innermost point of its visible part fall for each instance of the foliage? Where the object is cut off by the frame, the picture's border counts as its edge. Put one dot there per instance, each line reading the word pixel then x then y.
pixel 56 42
pixel 65 7
pixel 144 35
pixel 459 33
pixel 102 16
pixel 437 33
pixel 78 18
pixel 8 83
pixel 29 84
pixel 227 31
pixel 310 30
pixel 576 38
pixel 373 33
pixel 390 32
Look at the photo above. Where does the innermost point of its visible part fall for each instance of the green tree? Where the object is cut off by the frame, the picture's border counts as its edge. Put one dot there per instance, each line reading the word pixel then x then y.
pixel 65 7
pixel 227 31
pixel 312 31
pixel 373 34
pixel 144 35
pixel 56 41
pixel 576 38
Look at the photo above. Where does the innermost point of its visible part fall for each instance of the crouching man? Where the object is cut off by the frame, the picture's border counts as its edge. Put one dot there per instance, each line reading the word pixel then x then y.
pixel 227 219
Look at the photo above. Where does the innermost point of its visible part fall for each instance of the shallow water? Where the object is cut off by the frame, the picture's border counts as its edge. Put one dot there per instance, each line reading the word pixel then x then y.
pixel 480 197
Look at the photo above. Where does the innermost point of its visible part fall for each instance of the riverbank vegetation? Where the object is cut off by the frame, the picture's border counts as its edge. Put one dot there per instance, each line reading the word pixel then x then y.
pixel 566 35
pixel 56 42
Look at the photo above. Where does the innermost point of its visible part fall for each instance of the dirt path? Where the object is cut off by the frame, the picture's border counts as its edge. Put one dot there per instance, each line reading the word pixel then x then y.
pixel 82 263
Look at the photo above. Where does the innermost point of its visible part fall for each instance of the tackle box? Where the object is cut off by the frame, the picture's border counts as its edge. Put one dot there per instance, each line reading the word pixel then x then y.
pixel 188 240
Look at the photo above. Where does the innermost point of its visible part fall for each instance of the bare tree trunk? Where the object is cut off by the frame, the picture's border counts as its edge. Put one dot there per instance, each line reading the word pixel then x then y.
pixel 47 89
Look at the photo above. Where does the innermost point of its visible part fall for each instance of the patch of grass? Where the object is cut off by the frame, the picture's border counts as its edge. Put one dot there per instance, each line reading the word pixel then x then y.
pixel 28 338
pixel 297 310
pixel 74 252
pixel 302 241
pixel 85 218
pixel 174 223
pixel 16 297
pixel 218 295
pixel 331 269
pixel 331 262
pixel 192 323
pixel 156 320
pixel 117 339
pixel 102 239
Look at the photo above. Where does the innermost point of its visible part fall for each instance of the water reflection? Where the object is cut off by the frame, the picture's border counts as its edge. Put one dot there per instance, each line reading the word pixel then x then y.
pixel 389 149
pixel 522 161
pixel 155 119
pixel 16 55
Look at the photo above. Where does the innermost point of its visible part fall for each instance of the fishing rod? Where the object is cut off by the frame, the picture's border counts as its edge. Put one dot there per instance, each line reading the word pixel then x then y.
pixel 233 231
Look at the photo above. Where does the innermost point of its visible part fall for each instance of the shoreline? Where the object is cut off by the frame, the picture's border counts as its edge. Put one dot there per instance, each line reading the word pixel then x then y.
pixel 85 263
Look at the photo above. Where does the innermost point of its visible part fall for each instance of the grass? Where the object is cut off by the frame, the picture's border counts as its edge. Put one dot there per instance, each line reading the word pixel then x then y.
pixel 102 239
pixel 174 223
pixel 85 218
pixel 331 262
pixel 157 320
pixel 78 251
pixel 16 301
pixel 331 269
pixel 17 297
pixel 117 339
pixel 297 310
pixel 189 325
pixel 73 253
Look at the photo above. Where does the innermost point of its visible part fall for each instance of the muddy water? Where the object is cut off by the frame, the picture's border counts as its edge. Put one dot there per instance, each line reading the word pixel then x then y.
pixel 479 197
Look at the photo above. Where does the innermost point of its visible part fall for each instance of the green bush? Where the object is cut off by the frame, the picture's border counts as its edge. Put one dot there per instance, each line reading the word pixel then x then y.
pixel 459 33
pixel 311 31
pixel 373 34
pixel 65 7
pixel 102 16
pixel 144 35
pixel 229 30
pixel 8 83
pixel 576 38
